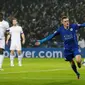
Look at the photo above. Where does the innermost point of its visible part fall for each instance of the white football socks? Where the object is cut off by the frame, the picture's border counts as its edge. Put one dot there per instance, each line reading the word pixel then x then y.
pixel 1 61
pixel 11 60
pixel 20 60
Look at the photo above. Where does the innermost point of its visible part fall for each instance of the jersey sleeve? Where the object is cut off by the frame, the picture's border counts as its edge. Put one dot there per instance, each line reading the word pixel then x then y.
pixel 6 25
pixel 21 30
pixel 81 25
pixel 77 26
pixel 50 36
pixel 9 30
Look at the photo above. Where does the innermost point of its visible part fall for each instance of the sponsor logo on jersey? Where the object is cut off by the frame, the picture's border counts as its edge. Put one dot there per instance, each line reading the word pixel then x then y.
pixel 71 29
pixel 66 37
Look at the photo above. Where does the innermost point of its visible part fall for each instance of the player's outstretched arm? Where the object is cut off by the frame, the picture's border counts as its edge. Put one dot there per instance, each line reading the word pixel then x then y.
pixel 78 26
pixel 47 38
pixel 81 25
pixel 8 37
pixel 23 38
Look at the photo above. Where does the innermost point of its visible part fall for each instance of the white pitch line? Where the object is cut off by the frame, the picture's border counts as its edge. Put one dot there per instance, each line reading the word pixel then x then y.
pixel 35 71
pixel 52 78
pixel 48 70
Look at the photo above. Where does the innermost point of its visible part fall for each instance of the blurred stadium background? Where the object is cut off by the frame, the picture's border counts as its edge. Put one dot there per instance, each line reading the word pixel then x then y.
pixel 40 18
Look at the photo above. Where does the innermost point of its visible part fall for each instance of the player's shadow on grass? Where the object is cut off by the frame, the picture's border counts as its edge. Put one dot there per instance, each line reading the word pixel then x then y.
pixel 60 83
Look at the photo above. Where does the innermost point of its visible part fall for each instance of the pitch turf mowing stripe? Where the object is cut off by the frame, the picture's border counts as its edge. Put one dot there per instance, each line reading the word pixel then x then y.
pixel 62 78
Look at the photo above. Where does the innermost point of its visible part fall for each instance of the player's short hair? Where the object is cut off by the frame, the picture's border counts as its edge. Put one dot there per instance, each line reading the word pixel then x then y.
pixel 14 19
pixel 63 17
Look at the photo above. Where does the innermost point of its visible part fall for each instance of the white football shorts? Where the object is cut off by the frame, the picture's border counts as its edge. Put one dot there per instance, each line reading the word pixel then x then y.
pixel 15 45
pixel 2 43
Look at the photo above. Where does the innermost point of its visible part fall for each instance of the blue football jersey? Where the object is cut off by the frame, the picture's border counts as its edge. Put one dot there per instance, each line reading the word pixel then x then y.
pixel 68 36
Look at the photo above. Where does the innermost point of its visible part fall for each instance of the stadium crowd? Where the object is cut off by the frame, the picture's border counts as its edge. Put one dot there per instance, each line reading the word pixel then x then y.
pixel 40 18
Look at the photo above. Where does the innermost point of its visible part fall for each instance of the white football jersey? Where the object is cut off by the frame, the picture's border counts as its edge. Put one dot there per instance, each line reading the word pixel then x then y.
pixel 4 25
pixel 15 32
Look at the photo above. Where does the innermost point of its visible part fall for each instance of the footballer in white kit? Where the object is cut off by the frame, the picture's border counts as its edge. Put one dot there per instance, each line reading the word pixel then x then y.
pixel 4 25
pixel 15 32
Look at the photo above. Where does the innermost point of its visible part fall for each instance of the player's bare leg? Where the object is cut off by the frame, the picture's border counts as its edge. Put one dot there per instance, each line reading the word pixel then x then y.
pixel 78 60
pixel 12 58
pixel 73 65
pixel 19 58
pixel 1 58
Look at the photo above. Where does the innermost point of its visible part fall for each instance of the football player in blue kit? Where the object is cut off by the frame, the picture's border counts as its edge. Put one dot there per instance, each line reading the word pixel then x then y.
pixel 71 49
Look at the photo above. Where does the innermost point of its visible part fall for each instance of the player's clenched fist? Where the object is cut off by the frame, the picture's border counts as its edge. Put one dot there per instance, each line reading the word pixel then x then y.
pixel 37 43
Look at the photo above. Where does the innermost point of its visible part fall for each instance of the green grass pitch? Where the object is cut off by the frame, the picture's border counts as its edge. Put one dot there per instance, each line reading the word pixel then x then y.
pixel 36 71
